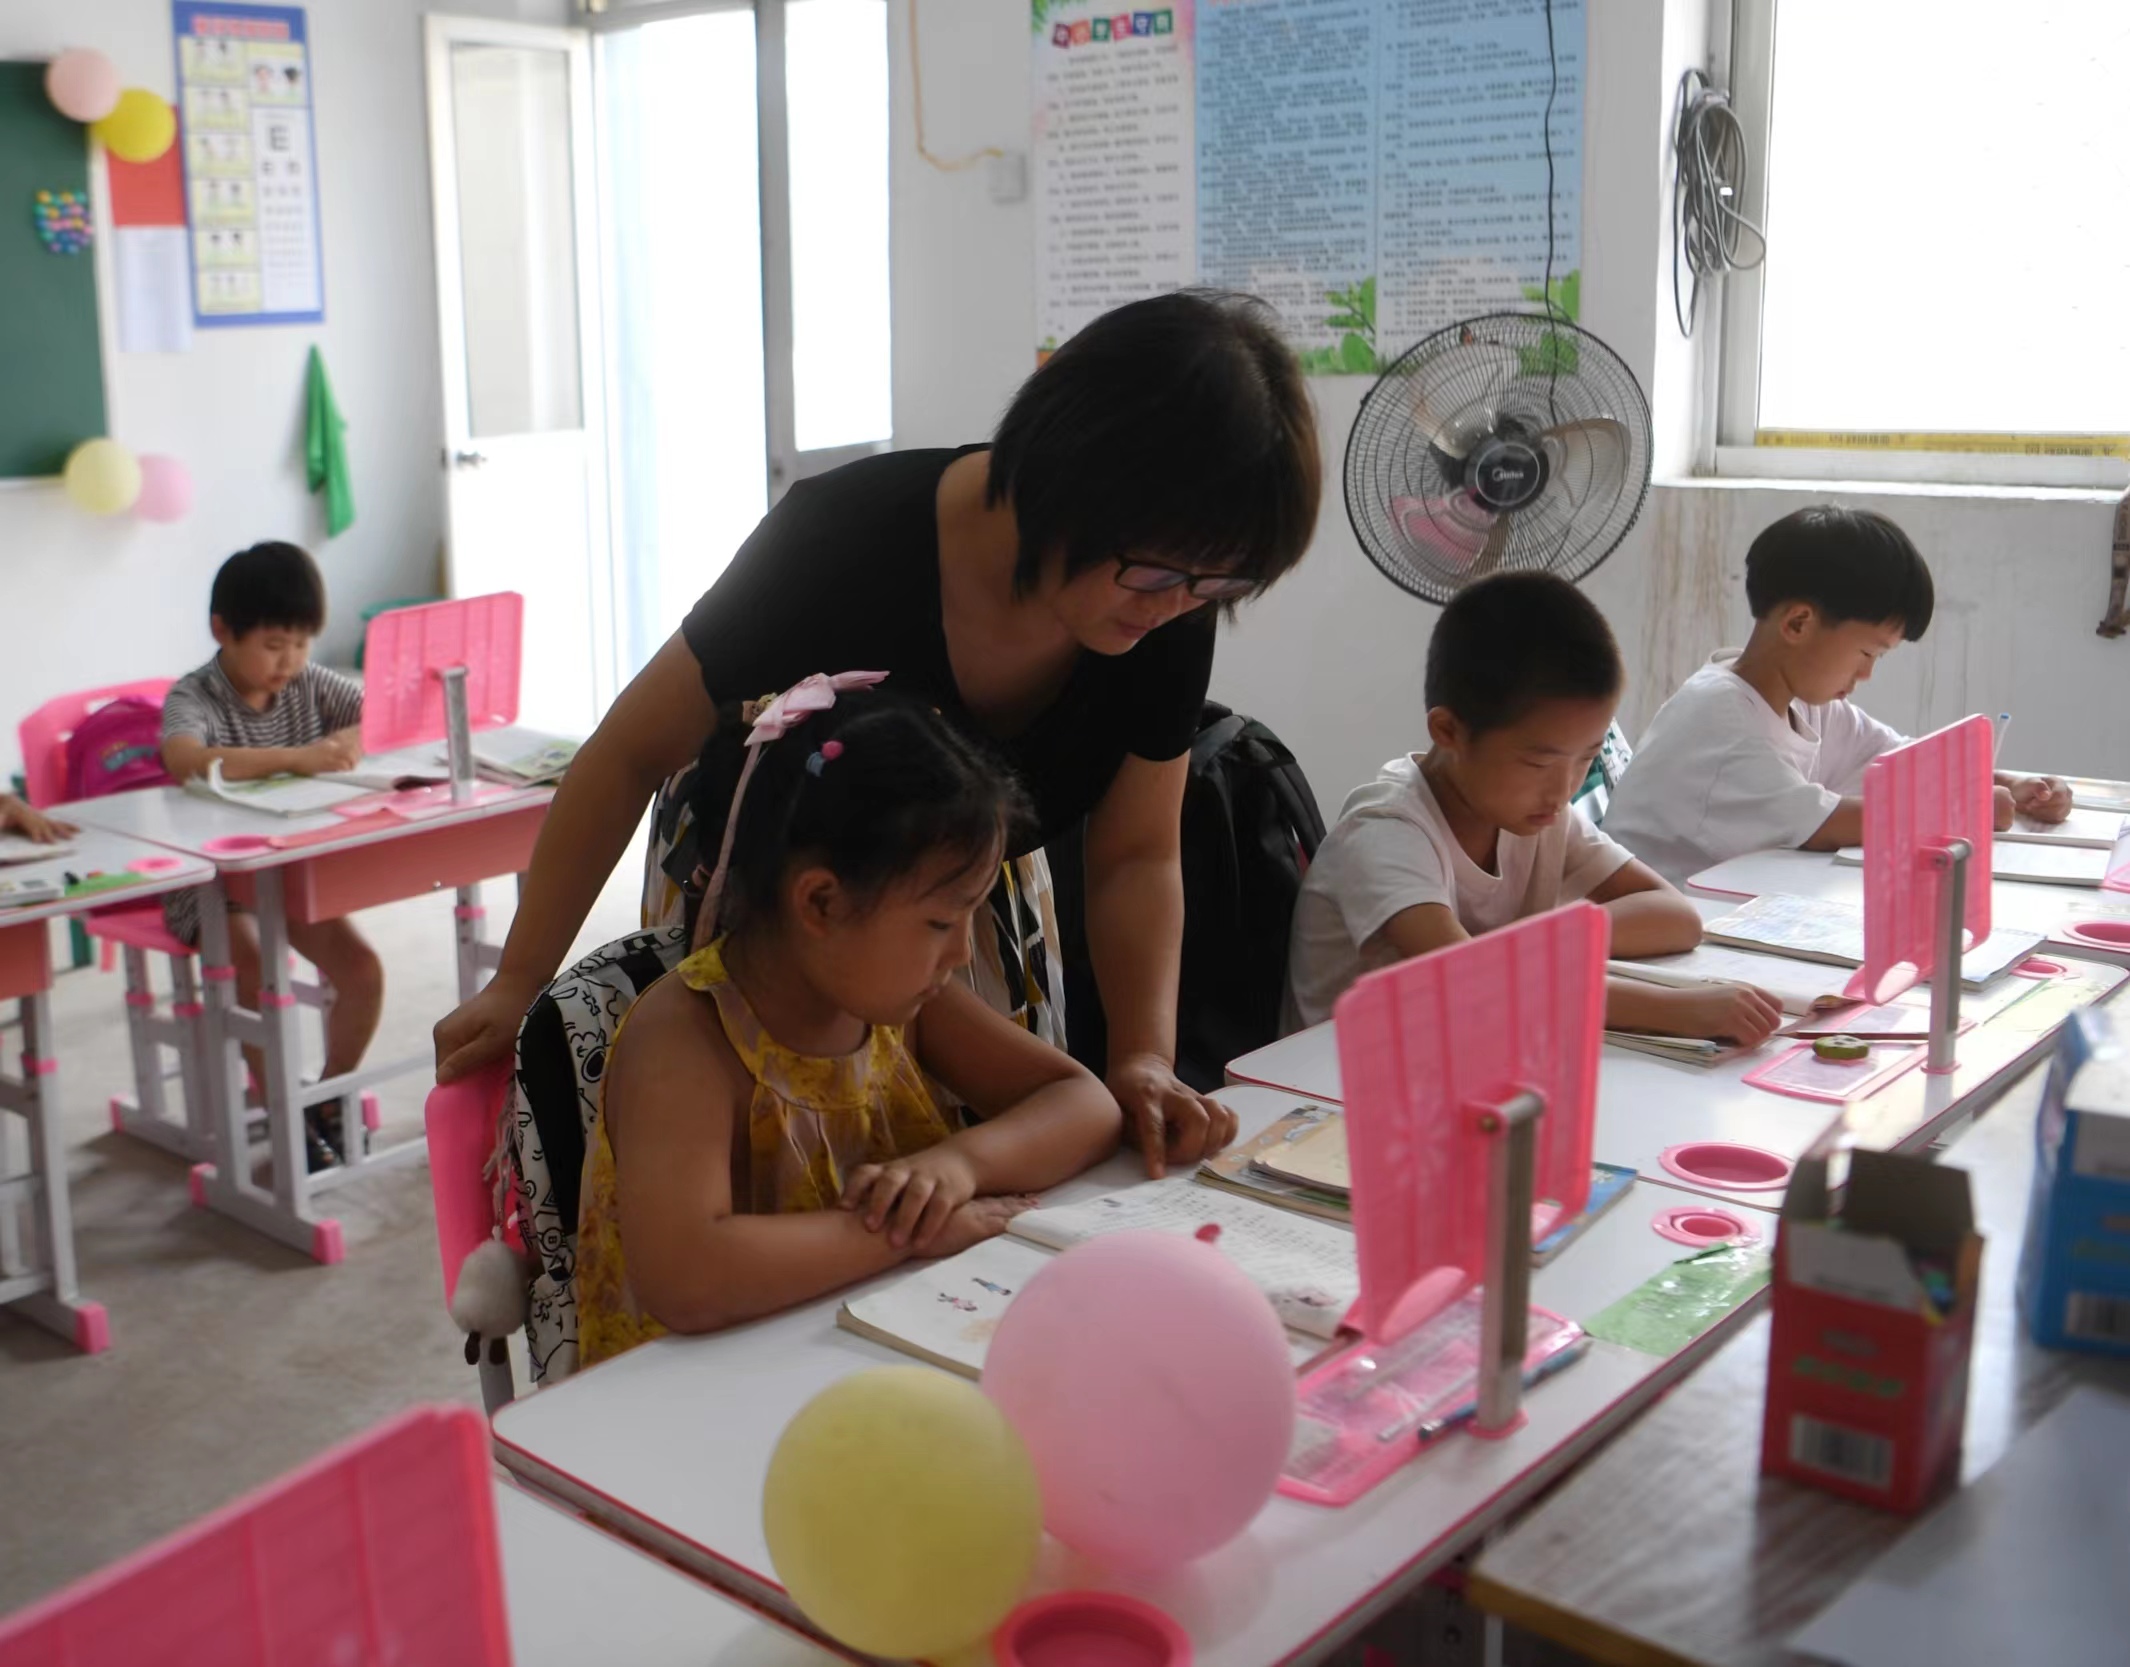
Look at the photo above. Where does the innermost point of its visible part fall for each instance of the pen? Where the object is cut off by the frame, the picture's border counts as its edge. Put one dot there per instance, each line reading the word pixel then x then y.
pixel 1433 1429
pixel 2004 722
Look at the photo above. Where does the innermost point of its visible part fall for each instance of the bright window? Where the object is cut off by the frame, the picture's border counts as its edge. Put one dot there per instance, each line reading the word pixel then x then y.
pixel 1947 205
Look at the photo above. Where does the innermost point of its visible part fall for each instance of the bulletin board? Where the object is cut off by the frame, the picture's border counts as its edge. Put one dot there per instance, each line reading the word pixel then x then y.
pixel 1375 169
pixel 51 350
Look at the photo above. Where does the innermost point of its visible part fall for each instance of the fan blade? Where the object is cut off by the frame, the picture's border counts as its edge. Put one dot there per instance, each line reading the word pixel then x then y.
pixel 1489 557
pixel 1447 533
pixel 1461 410
pixel 1589 458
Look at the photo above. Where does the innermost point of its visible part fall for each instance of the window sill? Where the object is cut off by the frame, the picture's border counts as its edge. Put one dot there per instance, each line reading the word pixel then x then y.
pixel 1833 477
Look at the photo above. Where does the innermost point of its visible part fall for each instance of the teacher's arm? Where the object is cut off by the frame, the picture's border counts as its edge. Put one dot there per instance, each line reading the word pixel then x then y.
pixel 1135 940
pixel 657 726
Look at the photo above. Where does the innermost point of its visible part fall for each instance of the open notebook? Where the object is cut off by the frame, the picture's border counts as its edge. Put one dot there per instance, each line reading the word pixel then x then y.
pixel 1815 929
pixel 2043 865
pixel 945 1312
pixel 2096 830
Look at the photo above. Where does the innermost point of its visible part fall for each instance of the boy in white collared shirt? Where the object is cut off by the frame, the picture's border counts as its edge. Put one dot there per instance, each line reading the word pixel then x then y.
pixel 1762 747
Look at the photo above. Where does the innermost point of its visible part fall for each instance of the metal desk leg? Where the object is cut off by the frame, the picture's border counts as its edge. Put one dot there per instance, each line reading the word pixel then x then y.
pixel 284 1213
pixel 47 1292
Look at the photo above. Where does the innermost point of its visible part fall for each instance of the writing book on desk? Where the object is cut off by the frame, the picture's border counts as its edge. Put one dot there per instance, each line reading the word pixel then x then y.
pixel 2096 830
pixel 1797 986
pixel 1447 1060
pixel 272 795
pixel 2034 865
pixel 1811 929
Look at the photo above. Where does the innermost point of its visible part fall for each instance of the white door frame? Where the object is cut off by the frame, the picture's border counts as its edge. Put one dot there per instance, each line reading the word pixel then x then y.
pixel 461 450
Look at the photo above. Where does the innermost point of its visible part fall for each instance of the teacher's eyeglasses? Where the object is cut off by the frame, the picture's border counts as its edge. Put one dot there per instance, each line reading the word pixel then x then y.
pixel 1149 578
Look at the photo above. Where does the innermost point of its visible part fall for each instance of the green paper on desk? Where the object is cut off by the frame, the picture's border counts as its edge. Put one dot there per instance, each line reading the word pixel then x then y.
pixel 1669 1310
pixel 325 453
pixel 95 883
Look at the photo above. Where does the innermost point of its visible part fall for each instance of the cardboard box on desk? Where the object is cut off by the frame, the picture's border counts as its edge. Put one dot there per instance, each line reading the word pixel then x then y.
pixel 1874 1317
pixel 2074 1270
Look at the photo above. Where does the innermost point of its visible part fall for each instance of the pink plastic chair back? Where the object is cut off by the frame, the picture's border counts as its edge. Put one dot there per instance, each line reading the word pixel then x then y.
pixel 1917 799
pixel 402 697
pixel 1423 1046
pixel 43 735
pixel 461 1120
pixel 382 1550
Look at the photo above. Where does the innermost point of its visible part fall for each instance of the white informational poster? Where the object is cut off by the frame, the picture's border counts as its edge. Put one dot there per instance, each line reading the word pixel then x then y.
pixel 1376 169
pixel 251 165
pixel 1114 193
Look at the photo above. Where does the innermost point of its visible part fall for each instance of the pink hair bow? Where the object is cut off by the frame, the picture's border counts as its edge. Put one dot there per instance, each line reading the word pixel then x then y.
pixel 776 720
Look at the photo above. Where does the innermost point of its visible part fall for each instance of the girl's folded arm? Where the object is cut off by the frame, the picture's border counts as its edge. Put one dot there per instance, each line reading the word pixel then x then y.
pixel 1045 1117
pixel 674 1096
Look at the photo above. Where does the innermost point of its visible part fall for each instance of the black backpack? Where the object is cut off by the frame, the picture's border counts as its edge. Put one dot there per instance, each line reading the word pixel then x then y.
pixel 1250 826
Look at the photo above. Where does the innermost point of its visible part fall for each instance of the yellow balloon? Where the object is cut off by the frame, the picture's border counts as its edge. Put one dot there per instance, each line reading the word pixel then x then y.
pixel 140 129
pixel 102 477
pixel 902 1512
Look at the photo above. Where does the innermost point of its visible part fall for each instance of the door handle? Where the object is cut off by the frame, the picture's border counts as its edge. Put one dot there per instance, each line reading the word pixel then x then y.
pixel 465 459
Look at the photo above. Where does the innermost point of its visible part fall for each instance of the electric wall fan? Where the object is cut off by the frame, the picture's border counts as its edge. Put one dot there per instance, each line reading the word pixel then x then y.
pixel 1508 442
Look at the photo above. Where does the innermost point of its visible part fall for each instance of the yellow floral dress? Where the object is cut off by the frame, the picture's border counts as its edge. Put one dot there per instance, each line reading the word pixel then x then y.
pixel 810 1124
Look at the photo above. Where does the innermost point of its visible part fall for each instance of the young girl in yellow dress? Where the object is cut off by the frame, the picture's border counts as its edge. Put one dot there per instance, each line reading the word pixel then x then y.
pixel 770 1130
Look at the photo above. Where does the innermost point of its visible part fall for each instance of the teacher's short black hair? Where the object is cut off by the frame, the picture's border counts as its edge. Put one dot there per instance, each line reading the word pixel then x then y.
pixel 1177 429
pixel 1507 643
pixel 272 583
pixel 1847 563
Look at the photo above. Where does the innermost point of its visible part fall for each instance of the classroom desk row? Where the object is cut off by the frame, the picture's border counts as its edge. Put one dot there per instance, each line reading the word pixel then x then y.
pixel 1648 1107
pixel 282 870
pixel 37 1277
pixel 669 1444
pixel 1670 1550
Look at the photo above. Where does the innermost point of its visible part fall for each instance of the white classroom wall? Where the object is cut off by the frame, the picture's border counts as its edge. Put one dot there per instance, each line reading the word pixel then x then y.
pixel 89 601
pixel 1332 658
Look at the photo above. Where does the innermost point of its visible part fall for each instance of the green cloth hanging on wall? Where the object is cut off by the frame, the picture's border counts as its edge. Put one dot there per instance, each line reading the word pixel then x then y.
pixel 325 454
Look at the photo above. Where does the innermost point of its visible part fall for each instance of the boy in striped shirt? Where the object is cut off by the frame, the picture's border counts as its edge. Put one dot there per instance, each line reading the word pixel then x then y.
pixel 260 708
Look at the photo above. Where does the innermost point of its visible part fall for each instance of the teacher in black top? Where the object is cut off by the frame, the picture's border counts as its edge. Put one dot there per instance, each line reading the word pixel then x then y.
pixel 1053 593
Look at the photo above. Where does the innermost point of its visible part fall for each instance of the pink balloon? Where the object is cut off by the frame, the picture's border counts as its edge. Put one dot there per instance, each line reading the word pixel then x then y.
pixel 1152 1385
pixel 82 85
pixel 166 489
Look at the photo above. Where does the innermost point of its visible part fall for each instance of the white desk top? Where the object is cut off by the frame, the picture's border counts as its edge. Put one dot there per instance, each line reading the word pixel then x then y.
pixel 670 1443
pixel 576 1595
pixel 1671 1547
pixel 2026 904
pixel 98 851
pixel 182 821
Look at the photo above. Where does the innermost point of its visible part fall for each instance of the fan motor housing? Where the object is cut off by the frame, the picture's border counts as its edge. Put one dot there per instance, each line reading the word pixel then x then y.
pixel 1507 470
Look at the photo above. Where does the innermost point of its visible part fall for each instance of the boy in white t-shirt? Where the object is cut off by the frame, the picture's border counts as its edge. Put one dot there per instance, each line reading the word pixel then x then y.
pixel 1761 747
pixel 1522 680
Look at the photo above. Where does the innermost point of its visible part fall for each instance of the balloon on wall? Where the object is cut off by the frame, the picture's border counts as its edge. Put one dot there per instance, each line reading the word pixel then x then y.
pixel 82 85
pixel 166 489
pixel 139 128
pixel 102 477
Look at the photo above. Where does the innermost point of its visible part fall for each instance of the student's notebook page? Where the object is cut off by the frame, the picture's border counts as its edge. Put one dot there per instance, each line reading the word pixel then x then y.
pixel 1307 1268
pixel 944 1312
pixel 2092 793
pixel 2096 830
pixel 275 795
pixel 1798 986
pixel 1816 929
pixel 2045 865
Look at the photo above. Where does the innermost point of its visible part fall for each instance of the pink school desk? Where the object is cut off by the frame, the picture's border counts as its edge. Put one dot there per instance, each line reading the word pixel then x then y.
pixel 668 1446
pixel 339 866
pixel 37 1278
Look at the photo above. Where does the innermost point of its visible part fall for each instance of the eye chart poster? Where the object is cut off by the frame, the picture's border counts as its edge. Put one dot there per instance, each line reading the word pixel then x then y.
pixel 251 163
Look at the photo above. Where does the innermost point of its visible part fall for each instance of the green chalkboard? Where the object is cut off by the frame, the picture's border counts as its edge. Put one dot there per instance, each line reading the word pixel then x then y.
pixel 51 363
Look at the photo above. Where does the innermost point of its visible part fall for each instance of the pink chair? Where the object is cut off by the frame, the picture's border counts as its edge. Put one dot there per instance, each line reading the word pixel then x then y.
pixel 134 932
pixel 462 1120
pixel 383 1549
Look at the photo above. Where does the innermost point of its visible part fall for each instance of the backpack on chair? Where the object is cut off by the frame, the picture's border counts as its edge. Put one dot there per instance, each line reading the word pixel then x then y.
pixel 115 749
pixel 1250 827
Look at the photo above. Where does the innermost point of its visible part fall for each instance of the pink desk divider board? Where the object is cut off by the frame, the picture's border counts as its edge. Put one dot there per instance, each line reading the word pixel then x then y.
pixel 1471 1088
pixel 383 1549
pixel 438 673
pixel 1929 816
